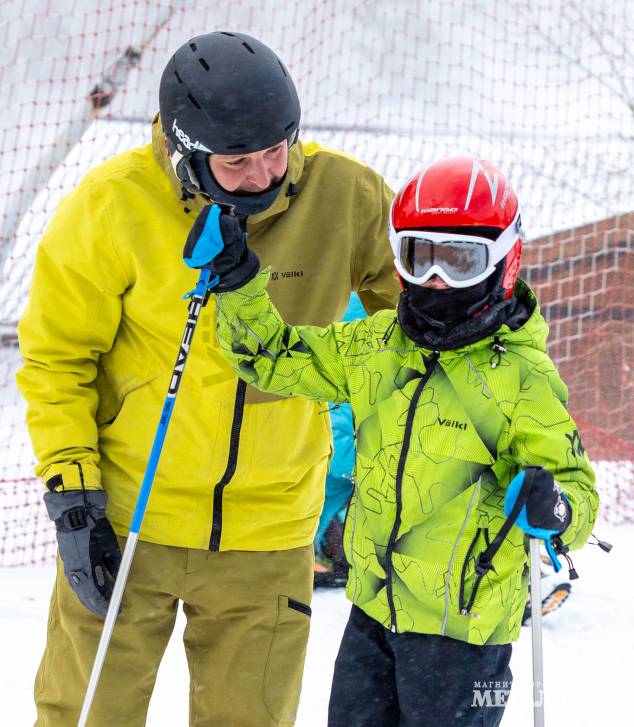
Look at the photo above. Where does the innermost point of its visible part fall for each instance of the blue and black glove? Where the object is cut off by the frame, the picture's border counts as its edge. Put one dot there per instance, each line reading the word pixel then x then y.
pixel 87 544
pixel 218 242
pixel 547 508
pixel 545 511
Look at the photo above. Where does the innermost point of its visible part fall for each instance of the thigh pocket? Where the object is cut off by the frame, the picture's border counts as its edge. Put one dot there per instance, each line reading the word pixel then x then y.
pixel 285 662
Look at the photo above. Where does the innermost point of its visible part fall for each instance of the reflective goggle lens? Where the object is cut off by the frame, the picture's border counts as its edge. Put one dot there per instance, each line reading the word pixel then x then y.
pixel 460 260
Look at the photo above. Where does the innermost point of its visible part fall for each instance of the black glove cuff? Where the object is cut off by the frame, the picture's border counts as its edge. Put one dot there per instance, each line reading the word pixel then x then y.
pixel 240 275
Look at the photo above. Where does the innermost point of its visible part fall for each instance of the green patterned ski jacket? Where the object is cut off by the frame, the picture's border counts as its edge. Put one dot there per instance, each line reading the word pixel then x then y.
pixel 439 438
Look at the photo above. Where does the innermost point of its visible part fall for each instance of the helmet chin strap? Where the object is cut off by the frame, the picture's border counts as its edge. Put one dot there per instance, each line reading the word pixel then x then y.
pixel 190 185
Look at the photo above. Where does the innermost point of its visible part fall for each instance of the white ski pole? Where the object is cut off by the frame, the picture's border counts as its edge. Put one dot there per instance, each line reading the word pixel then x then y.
pixel 536 634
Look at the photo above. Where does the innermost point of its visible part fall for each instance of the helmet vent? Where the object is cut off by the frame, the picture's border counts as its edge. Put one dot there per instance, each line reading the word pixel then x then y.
pixel 194 102
pixel 178 78
pixel 204 63
pixel 281 66
pixel 248 47
pixel 289 126
pixel 193 46
pixel 236 146
pixel 224 32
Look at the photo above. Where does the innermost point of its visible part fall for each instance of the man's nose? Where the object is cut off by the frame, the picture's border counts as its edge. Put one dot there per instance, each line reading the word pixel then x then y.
pixel 260 174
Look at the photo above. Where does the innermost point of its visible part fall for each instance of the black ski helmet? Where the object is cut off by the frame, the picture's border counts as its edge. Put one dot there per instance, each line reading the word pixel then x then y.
pixel 225 93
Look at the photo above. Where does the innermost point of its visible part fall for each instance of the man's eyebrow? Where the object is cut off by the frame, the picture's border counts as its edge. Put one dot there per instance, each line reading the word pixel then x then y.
pixel 232 158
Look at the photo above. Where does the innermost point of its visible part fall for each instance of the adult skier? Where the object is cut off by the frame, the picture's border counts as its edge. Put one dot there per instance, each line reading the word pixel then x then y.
pixel 230 524
pixel 454 398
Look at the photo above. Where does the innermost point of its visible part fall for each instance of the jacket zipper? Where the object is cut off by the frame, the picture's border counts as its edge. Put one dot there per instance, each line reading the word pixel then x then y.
pixel 465 608
pixel 476 492
pixel 232 461
pixel 430 365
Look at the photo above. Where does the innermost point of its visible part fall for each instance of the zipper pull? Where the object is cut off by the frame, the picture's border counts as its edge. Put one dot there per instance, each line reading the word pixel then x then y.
pixel 604 545
pixel 562 549
pixel 388 332
pixel 498 349
pixel 572 573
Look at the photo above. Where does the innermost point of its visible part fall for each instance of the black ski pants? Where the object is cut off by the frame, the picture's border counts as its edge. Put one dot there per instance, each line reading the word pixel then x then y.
pixel 384 679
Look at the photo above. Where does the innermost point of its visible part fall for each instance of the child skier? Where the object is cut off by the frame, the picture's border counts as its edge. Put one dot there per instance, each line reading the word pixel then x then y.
pixel 453 395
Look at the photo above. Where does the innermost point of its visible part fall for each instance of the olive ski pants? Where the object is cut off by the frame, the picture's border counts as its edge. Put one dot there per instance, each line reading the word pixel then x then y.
pixel 245 639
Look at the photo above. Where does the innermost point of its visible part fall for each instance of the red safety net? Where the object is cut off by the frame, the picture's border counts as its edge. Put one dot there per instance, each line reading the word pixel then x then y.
pixel 543 91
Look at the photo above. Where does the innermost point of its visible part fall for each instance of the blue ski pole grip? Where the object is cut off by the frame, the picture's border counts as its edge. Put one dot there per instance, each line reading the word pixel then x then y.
pixel 515 490
pixel 204 244
pixel 205 283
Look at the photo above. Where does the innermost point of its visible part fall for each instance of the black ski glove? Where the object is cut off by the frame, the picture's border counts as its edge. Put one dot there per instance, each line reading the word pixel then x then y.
pixel 87 544
pixel 547 507
pixel 235 264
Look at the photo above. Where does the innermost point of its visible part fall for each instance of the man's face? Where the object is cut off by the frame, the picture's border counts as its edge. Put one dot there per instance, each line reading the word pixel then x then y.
pixel 254 172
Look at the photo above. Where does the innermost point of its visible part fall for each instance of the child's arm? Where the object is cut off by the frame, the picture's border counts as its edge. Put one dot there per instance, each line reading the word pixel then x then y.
pixel 276 357
pixel 543 433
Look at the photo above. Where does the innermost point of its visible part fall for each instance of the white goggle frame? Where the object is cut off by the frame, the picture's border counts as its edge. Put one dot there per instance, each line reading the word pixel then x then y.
pixel 497 250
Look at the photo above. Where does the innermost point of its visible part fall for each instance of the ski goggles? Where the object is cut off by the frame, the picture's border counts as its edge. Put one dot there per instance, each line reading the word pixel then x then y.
pixel 460 260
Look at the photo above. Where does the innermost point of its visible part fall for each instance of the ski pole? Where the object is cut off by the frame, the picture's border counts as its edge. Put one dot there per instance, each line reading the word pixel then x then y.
pixel 536 634
pixel 210 245
pixel 515 501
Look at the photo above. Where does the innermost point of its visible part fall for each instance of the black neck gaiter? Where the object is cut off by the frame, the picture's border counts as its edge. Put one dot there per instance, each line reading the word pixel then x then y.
pixel 454 317
pixel 245 203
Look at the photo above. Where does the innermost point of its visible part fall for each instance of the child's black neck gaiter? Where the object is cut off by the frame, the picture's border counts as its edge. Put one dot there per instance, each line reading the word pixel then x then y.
pixel 454 317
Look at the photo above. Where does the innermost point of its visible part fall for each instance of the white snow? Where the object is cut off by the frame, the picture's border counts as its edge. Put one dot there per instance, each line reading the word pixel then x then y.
pixel 588 644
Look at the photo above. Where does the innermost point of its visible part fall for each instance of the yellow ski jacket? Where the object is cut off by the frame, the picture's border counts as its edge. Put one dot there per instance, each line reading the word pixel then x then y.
pixel 240 470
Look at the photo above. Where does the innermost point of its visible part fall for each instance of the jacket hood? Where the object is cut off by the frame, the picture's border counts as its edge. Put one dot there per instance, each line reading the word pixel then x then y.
pixel 196 204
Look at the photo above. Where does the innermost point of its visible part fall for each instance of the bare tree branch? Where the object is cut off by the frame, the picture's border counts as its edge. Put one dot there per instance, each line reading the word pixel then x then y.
pixel 617 72
pixel 620 90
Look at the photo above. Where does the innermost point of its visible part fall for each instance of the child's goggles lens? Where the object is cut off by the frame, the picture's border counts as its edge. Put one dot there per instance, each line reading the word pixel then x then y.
pixel 460 259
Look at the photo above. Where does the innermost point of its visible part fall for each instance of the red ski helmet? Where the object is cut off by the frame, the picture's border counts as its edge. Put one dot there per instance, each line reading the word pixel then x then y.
pixel 459 219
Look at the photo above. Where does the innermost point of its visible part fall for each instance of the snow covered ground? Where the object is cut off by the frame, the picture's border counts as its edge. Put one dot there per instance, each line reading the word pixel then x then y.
pixel 589 647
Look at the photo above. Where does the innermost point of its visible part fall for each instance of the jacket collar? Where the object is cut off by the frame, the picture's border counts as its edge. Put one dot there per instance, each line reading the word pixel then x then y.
pixel 281 203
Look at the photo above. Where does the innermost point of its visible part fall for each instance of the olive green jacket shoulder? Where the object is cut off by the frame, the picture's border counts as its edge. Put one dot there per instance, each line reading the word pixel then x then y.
pixel 103 325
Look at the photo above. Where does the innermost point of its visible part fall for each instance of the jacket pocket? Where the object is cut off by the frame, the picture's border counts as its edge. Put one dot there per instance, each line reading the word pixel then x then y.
pixel 111 403
pixel 471 576
pixel 285 661
pixel 299 606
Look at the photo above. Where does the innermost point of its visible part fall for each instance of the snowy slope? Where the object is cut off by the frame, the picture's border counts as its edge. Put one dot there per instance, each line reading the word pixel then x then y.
pixel 588 645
